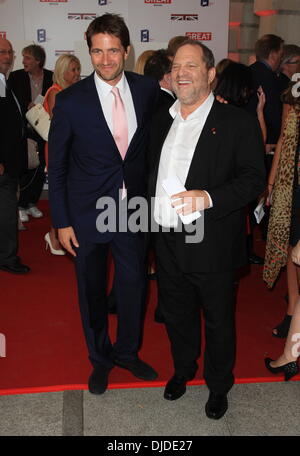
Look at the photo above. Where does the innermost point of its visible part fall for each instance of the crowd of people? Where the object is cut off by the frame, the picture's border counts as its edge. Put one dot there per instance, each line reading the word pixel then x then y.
pixel 206 143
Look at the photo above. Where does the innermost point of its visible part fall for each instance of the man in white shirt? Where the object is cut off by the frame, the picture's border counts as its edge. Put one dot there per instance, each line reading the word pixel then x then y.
pixel 215 152
pixel 97 147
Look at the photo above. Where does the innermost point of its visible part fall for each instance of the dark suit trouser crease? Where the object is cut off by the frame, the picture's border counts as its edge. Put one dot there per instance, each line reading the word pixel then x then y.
pixel 8 219
pixel 32 182
pixel 129 287
pixel 182 297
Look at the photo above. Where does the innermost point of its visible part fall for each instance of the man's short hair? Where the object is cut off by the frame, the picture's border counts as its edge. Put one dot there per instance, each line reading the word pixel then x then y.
pixel 208 56
pixel 158 64
pixel 175 42
pixel 113 24
pixel 38 52
pixel 267 44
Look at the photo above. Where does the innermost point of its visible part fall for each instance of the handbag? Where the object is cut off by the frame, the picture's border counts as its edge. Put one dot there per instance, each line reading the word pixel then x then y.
pixel 40 120
pixel 33 160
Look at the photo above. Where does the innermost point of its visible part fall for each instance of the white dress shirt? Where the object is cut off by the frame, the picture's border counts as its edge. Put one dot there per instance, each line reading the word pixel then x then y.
pixel 3 91
pixel 107 99
pixel 2 85
pixel 176 156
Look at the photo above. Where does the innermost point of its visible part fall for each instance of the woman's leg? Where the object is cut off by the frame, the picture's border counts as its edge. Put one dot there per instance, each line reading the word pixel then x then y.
pixel 292 346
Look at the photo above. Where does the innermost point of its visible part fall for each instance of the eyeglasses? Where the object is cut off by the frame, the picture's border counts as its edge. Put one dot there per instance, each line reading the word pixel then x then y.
pixel 3 52
pixel 292 62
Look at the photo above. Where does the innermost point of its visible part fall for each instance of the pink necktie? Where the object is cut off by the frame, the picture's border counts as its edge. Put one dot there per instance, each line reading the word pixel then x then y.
pixel 120 126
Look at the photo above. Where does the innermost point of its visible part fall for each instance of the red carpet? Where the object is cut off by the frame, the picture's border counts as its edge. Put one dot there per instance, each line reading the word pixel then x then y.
pixel 45 348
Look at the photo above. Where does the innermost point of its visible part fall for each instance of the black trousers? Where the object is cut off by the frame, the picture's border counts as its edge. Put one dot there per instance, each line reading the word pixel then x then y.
pixel 129 287
pixel 182 296
pixel 8 219
pixel 32 181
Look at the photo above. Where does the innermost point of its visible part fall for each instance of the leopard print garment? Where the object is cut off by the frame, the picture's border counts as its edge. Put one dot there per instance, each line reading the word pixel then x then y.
pixel 281 209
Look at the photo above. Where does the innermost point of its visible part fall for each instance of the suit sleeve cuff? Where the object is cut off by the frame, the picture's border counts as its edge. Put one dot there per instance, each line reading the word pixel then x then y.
pixel 210 200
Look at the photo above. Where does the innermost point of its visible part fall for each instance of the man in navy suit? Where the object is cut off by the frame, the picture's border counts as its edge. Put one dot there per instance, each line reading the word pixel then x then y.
pixel 158 66
pixel 85 165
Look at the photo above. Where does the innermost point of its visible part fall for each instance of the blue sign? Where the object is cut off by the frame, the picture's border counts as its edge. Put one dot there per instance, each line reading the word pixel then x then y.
pixel 41 35
pixel 204 2
pixel 102 2
pixel 145 36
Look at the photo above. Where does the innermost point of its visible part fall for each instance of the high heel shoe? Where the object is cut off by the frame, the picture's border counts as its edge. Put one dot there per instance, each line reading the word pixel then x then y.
pixel 290 369
pixel 52 250
pixel 283 328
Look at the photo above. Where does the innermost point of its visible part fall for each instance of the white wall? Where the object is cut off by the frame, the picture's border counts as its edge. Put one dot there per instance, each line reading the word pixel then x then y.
pixel 59 25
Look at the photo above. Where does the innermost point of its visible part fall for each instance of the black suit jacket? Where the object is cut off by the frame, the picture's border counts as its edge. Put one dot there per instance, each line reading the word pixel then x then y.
pixel 229 164
pixel 165 100
pixel 272 86
pixel 20 83
pixel 12 137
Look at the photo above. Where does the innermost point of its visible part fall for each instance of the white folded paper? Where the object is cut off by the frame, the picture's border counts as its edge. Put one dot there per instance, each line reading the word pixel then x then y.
pixel 259 211
pixel 172 185
pixel 39 99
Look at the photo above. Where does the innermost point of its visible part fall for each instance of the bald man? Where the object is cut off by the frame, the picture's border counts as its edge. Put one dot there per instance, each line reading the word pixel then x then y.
pixel 12 161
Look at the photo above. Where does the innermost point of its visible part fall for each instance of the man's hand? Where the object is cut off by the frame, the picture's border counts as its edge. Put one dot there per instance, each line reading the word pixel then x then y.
pixel 261 100
pixel 194 200
pixel 67 237
pixel 31 104
pixel 2 169
pixel 221 99
pixel 296 253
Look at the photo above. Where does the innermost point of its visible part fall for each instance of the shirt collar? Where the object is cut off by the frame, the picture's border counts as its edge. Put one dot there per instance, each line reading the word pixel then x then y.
pixel 199 112
pixel 169 92
pixel 266 64
pixel 105 88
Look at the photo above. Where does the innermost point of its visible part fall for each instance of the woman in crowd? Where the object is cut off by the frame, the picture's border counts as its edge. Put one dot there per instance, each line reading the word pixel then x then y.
pixel 141 61
pixel 284 195
pixel 234 84
pixel 287 362
pixel 67 72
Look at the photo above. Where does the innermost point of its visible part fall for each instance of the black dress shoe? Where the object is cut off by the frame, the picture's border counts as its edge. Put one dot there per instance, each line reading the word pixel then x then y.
pixel 255 259
pixel 175 388
pixel 98 380
pixel 138 368
pixel 15 268
pixel 216 406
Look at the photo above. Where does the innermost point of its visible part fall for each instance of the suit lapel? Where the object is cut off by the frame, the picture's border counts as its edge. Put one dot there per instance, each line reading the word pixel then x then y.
pixel 136 98
pixel 207 144
pixel 95 109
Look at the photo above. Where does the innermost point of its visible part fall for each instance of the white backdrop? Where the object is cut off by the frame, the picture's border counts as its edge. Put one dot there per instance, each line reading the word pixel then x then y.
pixel 60 25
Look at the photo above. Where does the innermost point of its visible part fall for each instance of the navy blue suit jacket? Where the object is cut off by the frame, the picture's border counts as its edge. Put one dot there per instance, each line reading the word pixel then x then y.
pixel 273 88
pixel 84 161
